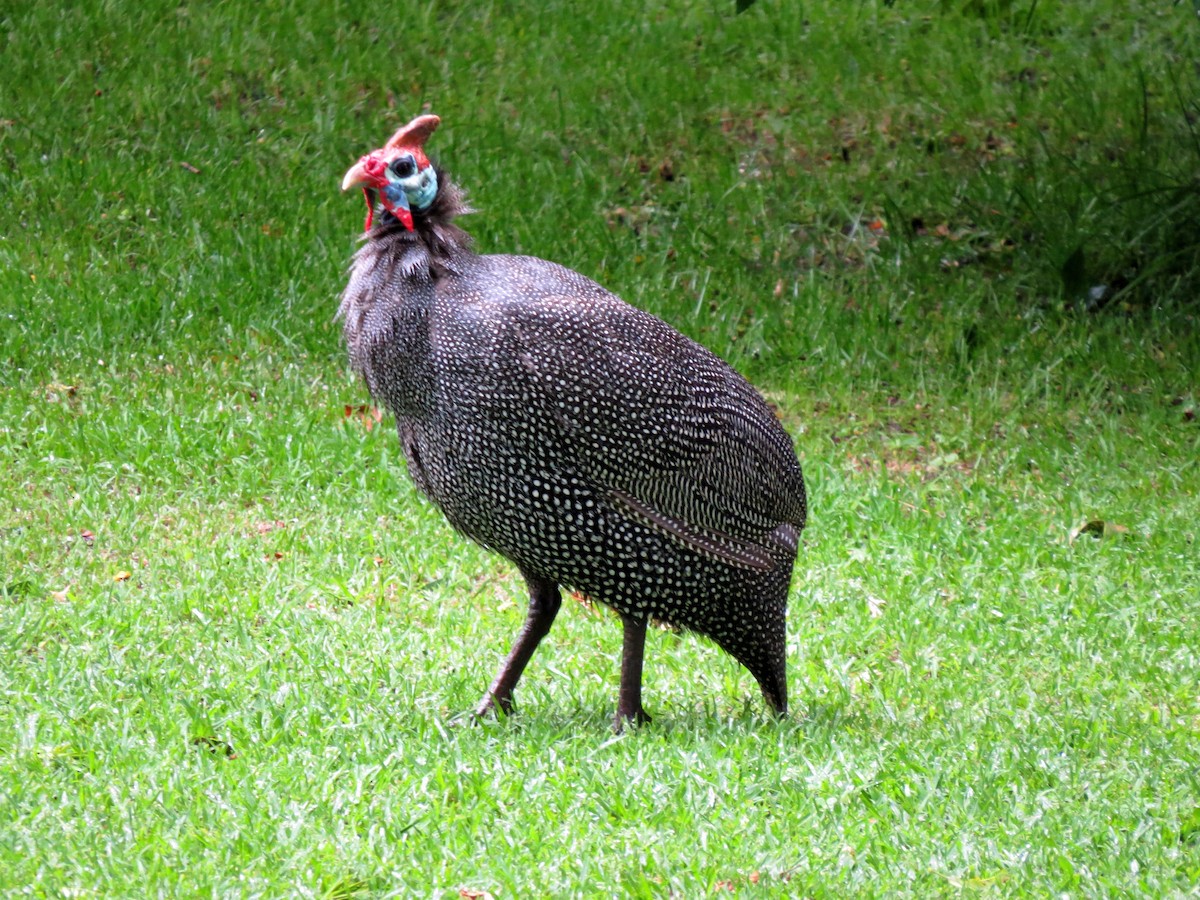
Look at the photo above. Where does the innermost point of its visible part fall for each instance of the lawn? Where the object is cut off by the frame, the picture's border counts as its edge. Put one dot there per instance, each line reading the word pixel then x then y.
pixel 955 243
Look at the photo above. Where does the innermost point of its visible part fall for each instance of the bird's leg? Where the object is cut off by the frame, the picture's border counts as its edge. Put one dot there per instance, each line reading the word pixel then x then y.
pixel 544 602
pixel 629 699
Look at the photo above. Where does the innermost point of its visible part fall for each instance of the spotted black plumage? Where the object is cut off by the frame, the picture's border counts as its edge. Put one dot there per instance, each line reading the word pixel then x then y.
pixel 583 439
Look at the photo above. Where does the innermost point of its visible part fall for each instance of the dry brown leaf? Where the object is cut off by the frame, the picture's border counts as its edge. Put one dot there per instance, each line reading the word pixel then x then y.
pixel 368 416
pixel 54 390
pixel 582 599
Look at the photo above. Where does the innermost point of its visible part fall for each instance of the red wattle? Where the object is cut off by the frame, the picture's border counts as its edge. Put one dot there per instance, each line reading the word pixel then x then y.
pixel 370 210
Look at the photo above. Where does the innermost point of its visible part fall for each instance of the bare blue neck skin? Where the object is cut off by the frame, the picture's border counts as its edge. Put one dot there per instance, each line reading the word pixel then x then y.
pixel 421 188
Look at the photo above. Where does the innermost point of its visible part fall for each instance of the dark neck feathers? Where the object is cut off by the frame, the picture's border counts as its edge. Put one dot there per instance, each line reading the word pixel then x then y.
pixel 434 227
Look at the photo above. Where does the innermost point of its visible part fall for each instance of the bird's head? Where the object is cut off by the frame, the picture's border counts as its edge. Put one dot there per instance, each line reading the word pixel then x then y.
pixel 399 173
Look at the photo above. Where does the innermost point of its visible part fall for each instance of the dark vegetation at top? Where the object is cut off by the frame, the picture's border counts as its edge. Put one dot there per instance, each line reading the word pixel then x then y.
pixel 888 155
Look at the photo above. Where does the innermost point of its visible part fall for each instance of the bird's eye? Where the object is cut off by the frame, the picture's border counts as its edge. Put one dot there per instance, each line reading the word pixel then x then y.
pixel 403 166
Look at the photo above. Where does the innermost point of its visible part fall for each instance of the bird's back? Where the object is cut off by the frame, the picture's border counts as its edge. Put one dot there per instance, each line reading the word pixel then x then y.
pixel 547 415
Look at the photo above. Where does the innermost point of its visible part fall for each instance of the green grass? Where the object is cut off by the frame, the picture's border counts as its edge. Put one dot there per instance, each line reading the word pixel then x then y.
pixel 233 638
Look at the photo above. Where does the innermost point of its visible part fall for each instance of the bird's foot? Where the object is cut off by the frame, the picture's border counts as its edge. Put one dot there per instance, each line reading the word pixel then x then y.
pixel 635 717
pixel 501 707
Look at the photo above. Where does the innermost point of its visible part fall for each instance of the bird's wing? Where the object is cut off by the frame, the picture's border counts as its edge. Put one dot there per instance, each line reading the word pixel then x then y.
pixel 674 435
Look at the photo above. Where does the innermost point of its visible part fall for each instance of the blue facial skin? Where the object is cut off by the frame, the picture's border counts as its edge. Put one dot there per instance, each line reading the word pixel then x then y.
pixel 421 189
pixel 396 196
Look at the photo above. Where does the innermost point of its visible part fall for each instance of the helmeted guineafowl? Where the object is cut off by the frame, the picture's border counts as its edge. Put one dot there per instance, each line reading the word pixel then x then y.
pixel 583 439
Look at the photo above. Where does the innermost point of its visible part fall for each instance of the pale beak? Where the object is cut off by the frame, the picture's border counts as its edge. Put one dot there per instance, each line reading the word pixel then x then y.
pixel 359 176
pixel 367 174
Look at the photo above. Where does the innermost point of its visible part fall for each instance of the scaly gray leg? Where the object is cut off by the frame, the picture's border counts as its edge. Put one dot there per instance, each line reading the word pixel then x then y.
pixel 544 603
pixel 629 699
